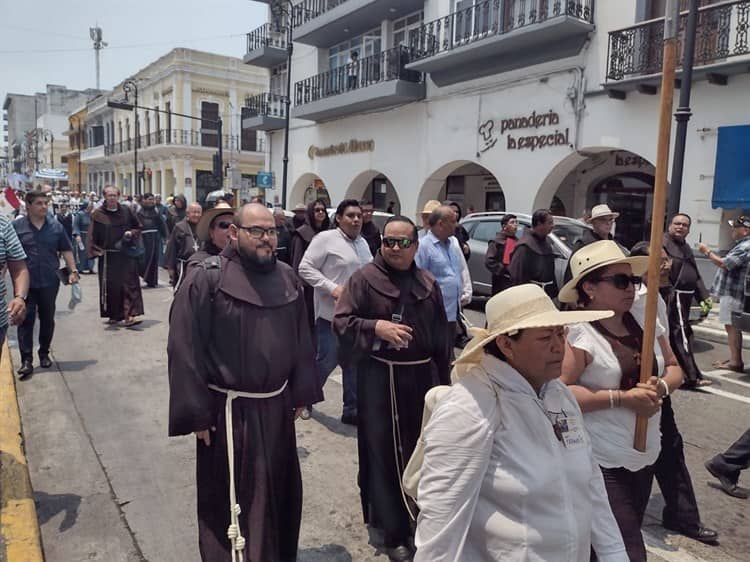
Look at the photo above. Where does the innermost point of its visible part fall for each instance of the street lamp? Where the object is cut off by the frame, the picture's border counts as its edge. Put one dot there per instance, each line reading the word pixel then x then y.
pixel 130 86
pixel 278 9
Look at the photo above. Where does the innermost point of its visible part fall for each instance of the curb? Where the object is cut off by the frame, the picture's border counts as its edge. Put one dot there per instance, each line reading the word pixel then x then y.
pixel 20 538
pixel 716 335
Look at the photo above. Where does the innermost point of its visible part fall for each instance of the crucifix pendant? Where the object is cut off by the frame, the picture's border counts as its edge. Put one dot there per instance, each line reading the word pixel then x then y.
pixel 195 245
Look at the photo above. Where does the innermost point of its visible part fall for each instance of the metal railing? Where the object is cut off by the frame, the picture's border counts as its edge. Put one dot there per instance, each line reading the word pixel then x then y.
pixel 490 18
pixel 269 105
pixel 722 33
pixel 307 10
pixel 266 36
pixel 180 137
pixel 383 67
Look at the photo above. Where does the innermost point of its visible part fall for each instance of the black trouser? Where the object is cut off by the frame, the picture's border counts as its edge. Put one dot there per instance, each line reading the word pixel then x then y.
pixel 628 494
pixel 42 302
pixel 681 508
pixel 734 459
pixel 681 303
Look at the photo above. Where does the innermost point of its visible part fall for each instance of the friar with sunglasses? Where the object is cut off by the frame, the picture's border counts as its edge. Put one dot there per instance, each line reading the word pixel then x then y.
pixel 602 368
pixel 213 232
pixel 241 368
pixel 390 321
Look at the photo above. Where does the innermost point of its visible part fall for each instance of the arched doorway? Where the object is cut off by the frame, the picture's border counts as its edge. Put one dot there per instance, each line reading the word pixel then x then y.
pixel 467 183
pixel 307 189
pixel 622 179
pixel 375 187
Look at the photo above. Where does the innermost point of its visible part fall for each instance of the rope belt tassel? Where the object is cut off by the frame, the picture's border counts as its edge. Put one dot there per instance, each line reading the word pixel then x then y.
pixel 678 298
pixel 233 531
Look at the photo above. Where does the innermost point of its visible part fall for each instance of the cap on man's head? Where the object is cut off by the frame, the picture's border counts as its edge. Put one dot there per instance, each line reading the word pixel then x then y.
pixel 742 221
pixel 299 208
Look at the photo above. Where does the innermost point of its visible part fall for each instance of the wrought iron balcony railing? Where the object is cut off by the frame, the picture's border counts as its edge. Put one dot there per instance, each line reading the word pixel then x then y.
pixel 307 10
pixel 179 137
pixel 489 18
pixel 383 67
pixel 266 36
pixel 269 105
pixel 722 34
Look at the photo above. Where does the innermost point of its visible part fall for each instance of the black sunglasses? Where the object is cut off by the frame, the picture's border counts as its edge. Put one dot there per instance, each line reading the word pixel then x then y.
pixel 223 224
pixel 402 243
pixel 622 281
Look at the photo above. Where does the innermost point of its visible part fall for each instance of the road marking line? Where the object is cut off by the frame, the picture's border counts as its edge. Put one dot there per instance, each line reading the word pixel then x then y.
pixel 725 394
pixel 721 375
pixel 664 550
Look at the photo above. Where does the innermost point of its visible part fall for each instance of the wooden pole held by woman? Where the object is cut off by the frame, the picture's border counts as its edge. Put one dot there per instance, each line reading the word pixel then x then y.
pixel 671 25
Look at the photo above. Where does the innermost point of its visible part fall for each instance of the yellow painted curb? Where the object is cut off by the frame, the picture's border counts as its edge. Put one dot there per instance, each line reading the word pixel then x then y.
pixel 19 527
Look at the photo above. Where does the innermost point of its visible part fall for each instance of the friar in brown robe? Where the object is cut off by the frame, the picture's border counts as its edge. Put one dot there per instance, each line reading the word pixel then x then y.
pixel 391 322
pixel 242 326
pixel 183 243
pixel 533 259
pixel 119 285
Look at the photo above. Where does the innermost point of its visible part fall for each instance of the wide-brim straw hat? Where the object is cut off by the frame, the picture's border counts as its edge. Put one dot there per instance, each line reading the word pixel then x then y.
pixel 204 225
pixel 599 211
pixel 519 308
pixel 596 256
pixel 430 206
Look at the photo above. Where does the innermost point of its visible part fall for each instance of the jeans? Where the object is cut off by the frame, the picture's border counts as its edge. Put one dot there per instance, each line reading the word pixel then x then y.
pixel 40 301
pixel 326 360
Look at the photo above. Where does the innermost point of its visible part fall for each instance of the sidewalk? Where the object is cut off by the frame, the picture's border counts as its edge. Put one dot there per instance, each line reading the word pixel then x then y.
pixel 710 329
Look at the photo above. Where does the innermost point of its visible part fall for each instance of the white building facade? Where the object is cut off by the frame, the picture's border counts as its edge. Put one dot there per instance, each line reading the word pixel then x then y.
pixel 503 105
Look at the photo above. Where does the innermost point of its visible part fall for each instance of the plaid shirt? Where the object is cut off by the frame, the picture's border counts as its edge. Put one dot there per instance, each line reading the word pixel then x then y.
pixel 731 281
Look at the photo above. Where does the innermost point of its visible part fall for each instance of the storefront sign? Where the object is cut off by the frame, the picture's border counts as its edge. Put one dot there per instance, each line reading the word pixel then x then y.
pixel 352 146
pixel 558 137
pixel 629 160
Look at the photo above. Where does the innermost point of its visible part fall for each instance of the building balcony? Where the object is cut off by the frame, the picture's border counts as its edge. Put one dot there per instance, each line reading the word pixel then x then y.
pixel 494 36
pixel 722 48
pixel 264 112
pixel 373 82
pixel 93 153
pixel 323 23
pixel 189 139
pixel 266 47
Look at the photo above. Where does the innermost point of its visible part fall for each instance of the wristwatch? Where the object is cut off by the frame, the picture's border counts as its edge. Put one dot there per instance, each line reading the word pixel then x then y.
pixel 22 297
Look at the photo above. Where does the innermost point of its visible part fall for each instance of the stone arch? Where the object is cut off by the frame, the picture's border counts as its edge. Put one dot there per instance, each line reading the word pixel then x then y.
pixel 374 186
pixel 307 188
pixel 484 191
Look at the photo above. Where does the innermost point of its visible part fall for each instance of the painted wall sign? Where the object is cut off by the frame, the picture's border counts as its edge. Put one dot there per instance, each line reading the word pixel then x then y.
pixel 559 137
pixel 352 146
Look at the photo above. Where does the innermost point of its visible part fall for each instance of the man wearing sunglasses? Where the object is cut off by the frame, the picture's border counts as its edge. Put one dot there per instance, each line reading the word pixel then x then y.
pixel 241 365
pixel 391 322
pixel 330 259
pixel 213 232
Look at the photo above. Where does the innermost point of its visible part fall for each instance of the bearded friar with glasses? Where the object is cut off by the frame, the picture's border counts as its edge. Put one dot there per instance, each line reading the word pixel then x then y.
pixel 390 322
pixel 241 368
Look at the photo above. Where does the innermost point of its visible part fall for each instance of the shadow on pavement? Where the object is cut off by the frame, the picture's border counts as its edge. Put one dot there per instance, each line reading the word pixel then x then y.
pixel 699 346
pixel 147 323
pixel 72 366
pixel 49 505
pixel 334 424
pixel 326 553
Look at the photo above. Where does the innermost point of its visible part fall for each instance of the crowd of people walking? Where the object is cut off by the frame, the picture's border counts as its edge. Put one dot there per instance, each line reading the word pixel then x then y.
pixel 528 451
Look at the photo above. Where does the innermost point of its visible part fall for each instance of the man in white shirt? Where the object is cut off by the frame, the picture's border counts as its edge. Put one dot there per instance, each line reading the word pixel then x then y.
pixel 328 263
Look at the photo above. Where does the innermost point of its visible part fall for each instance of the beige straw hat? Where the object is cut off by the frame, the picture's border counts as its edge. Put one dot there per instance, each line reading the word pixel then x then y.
pixel 599 211
pixel 221 208
pixel 518 308
pixel 595 256
pixel 430 206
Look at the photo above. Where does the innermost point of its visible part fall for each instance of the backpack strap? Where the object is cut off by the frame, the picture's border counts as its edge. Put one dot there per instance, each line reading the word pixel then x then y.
pixel 212 266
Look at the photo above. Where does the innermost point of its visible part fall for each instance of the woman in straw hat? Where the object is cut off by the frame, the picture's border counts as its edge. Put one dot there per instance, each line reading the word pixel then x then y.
pixel 508 471
pixel 602 367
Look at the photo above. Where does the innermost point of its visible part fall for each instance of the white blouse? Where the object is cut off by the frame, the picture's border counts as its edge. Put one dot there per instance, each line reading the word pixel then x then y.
pixel 496 482
pixel 612 430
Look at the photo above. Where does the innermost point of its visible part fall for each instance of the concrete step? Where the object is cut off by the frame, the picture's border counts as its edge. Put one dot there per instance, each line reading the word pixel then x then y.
pixel 710 329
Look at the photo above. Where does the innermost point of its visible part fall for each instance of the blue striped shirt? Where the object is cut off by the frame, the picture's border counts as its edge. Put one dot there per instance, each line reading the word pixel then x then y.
pixel 10 250
pixel 444 261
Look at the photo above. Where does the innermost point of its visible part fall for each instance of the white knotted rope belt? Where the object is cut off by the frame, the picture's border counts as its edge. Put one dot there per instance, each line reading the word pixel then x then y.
pixel 398 449
pixel 677 293
pixel 233 531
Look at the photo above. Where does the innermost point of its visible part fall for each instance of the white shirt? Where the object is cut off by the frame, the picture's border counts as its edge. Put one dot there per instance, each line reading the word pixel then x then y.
pixel 496 483
pixel 329 261
pixel 612 430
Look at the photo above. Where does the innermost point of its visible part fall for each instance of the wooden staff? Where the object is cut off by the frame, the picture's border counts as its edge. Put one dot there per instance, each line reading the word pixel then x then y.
pixel 671 24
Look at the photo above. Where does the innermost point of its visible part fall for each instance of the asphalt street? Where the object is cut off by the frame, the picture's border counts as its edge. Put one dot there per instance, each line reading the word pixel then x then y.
pixel 111 486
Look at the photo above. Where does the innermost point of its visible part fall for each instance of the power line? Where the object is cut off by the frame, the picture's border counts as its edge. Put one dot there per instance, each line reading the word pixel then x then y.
pixel 133 46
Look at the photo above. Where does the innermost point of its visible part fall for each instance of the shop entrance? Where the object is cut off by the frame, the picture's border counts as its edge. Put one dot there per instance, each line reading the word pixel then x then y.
pixel 472 186
pixel 377 188
pixel 631 195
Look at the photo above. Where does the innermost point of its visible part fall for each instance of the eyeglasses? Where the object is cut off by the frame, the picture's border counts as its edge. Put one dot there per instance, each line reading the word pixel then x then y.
pixel 622 281
pixel 403 243
pixel 223 225
pixel 320 209
pixel 259 231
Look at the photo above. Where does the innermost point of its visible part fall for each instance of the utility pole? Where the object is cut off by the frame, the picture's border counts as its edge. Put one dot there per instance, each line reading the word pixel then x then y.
pixel 683 113
pixel 96 36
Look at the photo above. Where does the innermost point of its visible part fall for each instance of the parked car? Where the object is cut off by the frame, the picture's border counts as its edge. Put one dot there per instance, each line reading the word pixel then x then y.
pixel 378 217
pixel 483 227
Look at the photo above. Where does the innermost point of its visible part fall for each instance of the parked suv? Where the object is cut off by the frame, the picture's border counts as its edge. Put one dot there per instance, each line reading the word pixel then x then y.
pixel 483 227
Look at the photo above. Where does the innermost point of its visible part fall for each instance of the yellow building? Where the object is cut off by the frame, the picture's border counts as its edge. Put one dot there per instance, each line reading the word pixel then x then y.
pixel 180 97
pixel 77 169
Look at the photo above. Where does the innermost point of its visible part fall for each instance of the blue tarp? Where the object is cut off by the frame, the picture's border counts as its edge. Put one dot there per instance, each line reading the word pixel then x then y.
pixel 732 172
